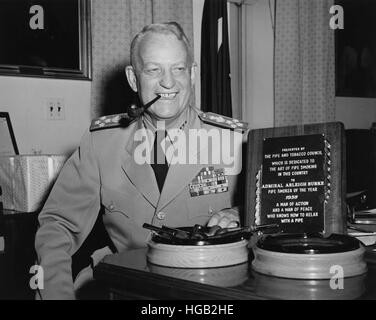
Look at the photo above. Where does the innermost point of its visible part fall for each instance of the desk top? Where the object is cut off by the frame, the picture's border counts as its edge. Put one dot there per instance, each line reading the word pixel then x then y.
pixel 15 213
pixel 130 272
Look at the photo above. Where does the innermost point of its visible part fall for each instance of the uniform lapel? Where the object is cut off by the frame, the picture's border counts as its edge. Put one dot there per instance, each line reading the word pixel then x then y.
pixel 180 175
pixel 141 175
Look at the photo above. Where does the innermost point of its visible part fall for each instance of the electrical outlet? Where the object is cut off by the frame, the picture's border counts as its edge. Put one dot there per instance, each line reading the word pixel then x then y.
pixel 55 109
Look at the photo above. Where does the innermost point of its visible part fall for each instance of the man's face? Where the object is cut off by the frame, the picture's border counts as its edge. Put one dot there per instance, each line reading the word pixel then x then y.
pixel 163 69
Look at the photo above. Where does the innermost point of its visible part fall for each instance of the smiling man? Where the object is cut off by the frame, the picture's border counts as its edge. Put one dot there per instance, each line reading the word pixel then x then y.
pixel 162 65
pixel 104 171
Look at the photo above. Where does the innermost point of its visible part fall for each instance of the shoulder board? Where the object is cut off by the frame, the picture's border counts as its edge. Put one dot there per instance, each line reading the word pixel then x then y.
pixel 223 121
pixel 112 121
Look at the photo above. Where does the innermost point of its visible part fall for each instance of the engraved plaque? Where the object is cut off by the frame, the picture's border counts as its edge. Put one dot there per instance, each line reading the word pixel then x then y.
pixel 295 182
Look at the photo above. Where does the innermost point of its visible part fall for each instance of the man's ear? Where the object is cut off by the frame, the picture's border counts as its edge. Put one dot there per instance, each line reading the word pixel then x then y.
pixel 131 77
pixel 193 73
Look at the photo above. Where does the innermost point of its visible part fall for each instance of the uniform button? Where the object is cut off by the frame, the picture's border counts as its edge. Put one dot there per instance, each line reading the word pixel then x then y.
pixel 111 207
pixel 161 215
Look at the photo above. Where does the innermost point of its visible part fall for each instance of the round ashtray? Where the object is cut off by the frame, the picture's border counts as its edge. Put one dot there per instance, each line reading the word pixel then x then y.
pixel 227 276
pixel 309 256
pixel 308 243
pixel 199 250
pixel 198 256
pixel 307 289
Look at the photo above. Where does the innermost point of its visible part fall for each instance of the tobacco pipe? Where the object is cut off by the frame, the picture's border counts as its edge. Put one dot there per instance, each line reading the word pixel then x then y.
pixel 218 232
pixel 201 233
pixel 197 232
pixel 135 111
pixel 172 232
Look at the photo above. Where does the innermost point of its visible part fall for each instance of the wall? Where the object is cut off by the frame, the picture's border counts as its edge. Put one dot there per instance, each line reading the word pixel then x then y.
pixel 114 24
pixel 258 76
pixel 25 97
pixel 198 7
pixel 356 112
pixel 258 107
pixel 25 100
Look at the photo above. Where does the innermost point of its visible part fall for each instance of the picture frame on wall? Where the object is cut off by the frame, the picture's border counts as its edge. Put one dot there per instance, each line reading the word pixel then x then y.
pixel 46 38
pixel 8 144
pixel 356 50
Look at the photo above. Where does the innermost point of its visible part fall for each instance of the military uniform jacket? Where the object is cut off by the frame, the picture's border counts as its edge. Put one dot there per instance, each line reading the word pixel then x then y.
pixel 103 172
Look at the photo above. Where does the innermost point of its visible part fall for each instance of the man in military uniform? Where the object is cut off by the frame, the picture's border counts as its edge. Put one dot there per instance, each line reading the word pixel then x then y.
pixel 111 167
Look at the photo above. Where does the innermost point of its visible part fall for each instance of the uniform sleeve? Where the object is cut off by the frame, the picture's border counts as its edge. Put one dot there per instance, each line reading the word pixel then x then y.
pixel 66 220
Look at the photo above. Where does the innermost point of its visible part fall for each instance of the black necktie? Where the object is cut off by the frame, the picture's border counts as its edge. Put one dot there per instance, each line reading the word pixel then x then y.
pixel 159 165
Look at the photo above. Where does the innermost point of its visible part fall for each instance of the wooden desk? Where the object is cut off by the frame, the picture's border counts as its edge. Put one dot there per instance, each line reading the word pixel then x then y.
pixel 128 275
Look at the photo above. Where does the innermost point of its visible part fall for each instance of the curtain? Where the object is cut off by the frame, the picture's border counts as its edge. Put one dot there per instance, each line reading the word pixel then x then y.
pixel 304 63
pixel 215 59
pixel 114 24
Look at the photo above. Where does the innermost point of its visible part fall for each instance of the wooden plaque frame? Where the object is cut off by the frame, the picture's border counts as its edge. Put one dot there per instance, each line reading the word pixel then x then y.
pixel 335 208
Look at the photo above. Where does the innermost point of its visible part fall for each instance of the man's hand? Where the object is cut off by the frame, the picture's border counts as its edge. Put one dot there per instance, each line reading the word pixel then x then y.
pixel 226 218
